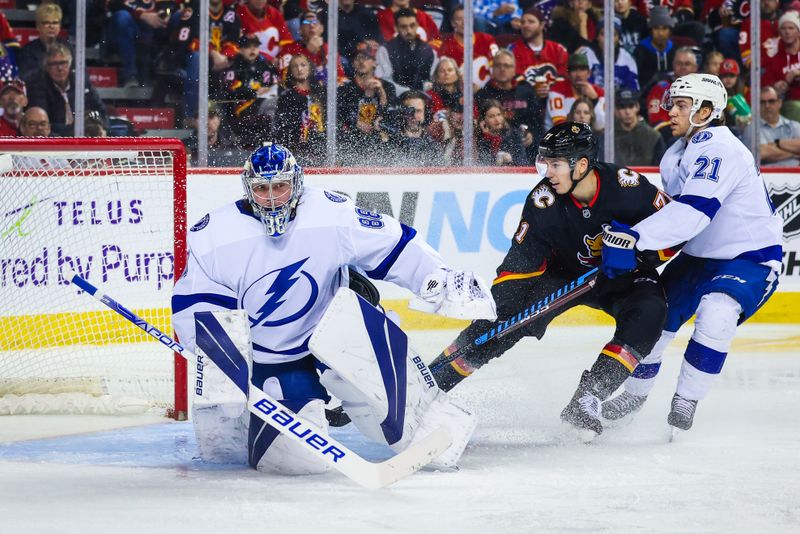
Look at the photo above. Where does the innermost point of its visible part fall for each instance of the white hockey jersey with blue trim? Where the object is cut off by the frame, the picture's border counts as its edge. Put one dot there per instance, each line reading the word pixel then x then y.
pixel 286 283
pixel 721 207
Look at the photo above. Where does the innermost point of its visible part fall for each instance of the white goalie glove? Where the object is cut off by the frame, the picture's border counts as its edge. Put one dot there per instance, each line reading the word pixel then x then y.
pixel 457 294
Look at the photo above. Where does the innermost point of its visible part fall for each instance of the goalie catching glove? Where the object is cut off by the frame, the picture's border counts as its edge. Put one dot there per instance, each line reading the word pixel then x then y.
pixel 457 294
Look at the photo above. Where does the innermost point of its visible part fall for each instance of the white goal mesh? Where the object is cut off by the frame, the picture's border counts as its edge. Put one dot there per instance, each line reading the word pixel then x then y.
pixel 110 213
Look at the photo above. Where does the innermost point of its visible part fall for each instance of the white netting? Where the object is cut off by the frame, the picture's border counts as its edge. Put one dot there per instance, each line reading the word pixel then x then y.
pixel 107 215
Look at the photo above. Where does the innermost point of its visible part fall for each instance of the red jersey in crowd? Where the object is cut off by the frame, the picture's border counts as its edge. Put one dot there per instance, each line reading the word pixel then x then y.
pixel 483 50
pixel 7 129
pixel 319 60
pixel 550 61
pixel 428 31
pixel 777 67
pixel 770 37
pixel 657 115
pixel 270 29
pixel 560 100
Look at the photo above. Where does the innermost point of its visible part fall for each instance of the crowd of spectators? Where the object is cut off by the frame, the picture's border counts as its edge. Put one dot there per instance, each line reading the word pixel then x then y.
pixel 399 73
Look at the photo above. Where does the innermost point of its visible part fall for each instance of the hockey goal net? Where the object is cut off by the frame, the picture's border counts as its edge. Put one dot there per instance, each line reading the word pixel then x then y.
pixel 112 210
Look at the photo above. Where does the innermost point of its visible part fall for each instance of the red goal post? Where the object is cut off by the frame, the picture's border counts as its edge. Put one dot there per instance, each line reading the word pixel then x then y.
pixel 113 210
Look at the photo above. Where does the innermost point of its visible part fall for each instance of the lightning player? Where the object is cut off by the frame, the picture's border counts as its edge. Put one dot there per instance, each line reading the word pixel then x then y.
pixel 280 253
pixel 558 239
pixel 730 264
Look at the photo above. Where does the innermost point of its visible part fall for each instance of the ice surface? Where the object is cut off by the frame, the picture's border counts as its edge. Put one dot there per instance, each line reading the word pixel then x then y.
pixel 737 470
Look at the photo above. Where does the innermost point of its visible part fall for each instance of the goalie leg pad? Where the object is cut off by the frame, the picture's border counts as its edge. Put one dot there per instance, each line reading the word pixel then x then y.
pixel 296 384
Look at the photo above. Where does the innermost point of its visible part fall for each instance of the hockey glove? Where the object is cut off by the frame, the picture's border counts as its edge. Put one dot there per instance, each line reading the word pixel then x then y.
pixel 457 294
pixel 619 249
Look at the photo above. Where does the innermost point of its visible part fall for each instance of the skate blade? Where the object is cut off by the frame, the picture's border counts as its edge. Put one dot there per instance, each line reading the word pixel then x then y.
pixel 572 434
pixel 674 432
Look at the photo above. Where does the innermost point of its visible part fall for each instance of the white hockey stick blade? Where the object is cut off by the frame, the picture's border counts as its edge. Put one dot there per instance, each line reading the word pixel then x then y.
pixel 371 475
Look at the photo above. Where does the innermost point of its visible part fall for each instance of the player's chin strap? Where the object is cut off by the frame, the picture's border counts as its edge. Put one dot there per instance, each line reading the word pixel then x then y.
pixel 693 128
pixel 574 181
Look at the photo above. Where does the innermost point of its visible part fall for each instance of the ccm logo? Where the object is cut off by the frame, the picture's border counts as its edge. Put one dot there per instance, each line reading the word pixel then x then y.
pixel 309 437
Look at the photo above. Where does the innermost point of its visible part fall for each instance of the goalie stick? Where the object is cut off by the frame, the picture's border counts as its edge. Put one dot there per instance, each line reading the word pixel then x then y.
pixel 371 475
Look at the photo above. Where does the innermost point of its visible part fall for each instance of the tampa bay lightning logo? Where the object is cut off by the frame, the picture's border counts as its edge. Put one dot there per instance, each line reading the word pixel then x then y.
pixel 202 223
pixel 333 197
pixel 281 296
pixel 699 137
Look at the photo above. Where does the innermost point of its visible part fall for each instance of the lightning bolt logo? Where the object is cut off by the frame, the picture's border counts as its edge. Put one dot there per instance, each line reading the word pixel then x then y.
pixel 286 278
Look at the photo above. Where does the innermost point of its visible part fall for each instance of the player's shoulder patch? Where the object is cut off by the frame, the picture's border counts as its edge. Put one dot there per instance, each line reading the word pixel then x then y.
pixel 333 197
pixel 701 136
pixel 202 223
pixel 543 196
pixel 628 178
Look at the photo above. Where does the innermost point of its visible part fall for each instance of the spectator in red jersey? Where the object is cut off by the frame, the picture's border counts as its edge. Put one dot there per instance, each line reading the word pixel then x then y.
pixel 360 105
pixel 498 142
pixel 483 48
pixel 783 70
pixel 13 100
pixel 654 54
pixel 524 109
pixel 406 60
pixel 267 24
pixel 35 123
pixel 633 25
pixel 48 26
pixel 537 57
pixel 54 91
pixel 426 27
pixel 356 25
pixel 252 85
pixel 300 115
pixel 313 47
pixel 136 30
pixel 564 93
pixel 770 36
pixel 575 24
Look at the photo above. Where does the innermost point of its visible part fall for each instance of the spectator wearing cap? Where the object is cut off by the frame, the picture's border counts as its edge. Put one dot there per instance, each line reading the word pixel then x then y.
pixel 636 143
pixel 626 73
pixel 426 27
pixel 406 60
pixel 577 85
pixel 360 106
pixel 484 48
pixel 541 61
pixel 53 90
pixel 654 54
pixel 497 16
pixel 782 71
pixel 356 25
pixel 13 100
pixel 313 47
pixel 737 112
pixel 35 123
pixel 633 25
pixel 575 24
pixel 523 107
pixel 252 85
pixel 779 142
pixel 683 62
pixel 48 26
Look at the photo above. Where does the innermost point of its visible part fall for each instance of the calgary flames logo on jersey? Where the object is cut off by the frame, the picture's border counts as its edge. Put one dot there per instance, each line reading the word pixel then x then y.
pixel 594 245
pixel 628 178
pixel 543 197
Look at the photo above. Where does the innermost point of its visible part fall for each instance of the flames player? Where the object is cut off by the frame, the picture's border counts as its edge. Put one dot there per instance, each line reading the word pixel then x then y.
pixel 559 238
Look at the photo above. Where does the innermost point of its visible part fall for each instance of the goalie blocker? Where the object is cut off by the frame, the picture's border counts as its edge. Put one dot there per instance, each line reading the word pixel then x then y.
pixel 384 386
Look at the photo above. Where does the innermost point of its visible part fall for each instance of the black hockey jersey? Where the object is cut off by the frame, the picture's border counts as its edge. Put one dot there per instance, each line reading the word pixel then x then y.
pixel 556 231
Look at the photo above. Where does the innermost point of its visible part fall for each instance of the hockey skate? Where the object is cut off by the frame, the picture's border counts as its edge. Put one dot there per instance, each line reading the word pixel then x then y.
pixel 622 405
pixel 583 411
pixel 681 414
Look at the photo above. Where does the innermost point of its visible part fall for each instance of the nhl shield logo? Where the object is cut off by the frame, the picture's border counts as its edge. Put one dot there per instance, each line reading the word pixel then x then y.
pixel 786 200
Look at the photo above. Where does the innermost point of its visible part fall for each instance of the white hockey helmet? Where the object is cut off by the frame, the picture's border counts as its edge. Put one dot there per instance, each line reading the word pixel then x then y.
pixel 700 88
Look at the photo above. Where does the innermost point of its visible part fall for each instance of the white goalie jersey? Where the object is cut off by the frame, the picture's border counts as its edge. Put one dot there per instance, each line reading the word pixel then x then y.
pixel 285 283
pixel 722 209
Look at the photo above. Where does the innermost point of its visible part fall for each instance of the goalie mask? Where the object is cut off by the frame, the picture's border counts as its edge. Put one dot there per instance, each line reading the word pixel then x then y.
pixel 699 88
pixel 273 183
